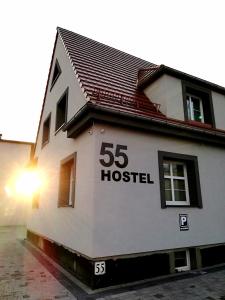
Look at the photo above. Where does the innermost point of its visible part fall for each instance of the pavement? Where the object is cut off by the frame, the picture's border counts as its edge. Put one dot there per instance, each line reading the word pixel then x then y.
pixel 25 273
pixel 22 276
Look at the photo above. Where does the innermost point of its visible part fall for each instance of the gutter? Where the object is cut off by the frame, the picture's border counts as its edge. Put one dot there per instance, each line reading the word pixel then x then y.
pixel 92 112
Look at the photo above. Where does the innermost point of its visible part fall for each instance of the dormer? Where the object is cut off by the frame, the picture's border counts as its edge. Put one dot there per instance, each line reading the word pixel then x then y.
pixel 164 90
pixel 184 97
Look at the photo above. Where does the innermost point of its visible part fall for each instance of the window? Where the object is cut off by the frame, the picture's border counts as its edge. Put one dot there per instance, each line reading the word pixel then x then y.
pixel 67 182
pixel 46 130
pixel 179 180
pixel 61 111
pixel 182 260
pixel 176 184
pixel 195 108
pixel 56 73
pixel 198 105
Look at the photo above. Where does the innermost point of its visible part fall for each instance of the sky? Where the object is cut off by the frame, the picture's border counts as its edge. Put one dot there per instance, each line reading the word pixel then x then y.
pixel 185 35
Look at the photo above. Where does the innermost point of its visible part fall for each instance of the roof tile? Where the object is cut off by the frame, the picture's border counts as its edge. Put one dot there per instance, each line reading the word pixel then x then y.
pixel 109 76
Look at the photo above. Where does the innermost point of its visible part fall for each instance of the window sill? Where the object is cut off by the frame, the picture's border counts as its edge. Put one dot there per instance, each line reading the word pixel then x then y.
pixel 182 269
pixel 179 205
pixel 59 129
pixel 199 124
pixel 63 206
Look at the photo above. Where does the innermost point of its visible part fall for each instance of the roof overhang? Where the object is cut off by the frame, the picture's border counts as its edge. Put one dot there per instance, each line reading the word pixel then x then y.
pixel 91 113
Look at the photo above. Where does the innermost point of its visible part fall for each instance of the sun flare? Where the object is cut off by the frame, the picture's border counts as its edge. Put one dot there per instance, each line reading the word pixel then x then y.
pixel 25 183
pixel 28 182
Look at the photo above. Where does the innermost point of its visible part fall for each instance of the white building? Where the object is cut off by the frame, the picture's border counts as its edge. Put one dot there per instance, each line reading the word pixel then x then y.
pixel 14 155
pixel 134 154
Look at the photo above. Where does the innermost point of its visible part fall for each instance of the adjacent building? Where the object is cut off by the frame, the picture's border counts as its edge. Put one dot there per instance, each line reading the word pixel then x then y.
pixel 14 155
pixel 134 154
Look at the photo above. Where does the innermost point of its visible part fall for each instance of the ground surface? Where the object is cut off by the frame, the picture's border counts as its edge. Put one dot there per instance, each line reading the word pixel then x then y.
pixel 25 274
pixel 21 275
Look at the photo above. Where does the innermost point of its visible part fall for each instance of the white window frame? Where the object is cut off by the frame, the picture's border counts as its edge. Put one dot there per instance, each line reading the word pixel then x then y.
pixel 188 265
pixel 172 178
pixel 189 97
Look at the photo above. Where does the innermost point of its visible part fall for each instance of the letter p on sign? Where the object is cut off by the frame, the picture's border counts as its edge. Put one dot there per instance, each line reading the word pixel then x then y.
pixel 183 222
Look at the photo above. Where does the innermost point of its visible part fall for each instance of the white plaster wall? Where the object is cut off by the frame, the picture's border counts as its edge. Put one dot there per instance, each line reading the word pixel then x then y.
pixel 71 227
pixel 128 217
pixel 112 218
pixel 167 91
pixel 67 78
pixel 219 110
pixel 13 157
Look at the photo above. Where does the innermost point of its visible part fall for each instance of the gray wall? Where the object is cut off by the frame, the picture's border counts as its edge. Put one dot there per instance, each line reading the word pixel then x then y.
pixel 71 227
pixel 128 216
pixel 67 79
pixel 219 110
pixel 114 218
pixel 167 91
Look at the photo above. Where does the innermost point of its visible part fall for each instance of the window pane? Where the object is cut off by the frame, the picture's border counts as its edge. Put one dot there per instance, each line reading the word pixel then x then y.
pixel 179 184
pixel 180 195
pixel 180 259
pixel 178 170
pixel 167 184
pixel 189 107
pixel 168 195
pixel 196 103
pixel 197 115
pixel 166 167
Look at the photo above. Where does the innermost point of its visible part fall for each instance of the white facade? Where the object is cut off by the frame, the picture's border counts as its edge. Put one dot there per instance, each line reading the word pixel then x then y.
pixel 68 225
pixel 13 157
pixel 128 217
pixel 218 104
pixel 167 91
pixel 112 218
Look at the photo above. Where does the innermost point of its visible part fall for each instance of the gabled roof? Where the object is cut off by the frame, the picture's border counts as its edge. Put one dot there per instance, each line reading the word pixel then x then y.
pixel 108 76
pixel 113 82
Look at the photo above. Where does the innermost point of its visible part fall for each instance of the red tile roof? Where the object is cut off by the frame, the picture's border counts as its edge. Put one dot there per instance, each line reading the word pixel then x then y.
pixel 145 74
pixel 108 76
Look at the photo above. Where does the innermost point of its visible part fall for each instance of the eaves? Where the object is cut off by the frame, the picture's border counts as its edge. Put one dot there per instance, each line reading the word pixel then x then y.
pixel 91 112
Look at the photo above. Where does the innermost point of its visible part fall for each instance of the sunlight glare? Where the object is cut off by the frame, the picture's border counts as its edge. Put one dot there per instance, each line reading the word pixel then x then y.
pixel 28 182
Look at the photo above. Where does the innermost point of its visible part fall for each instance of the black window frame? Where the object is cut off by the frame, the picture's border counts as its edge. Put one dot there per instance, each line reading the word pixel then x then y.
pixel 64 96
pixel 194 186
pixel 63 194
pixel 207 103
pixel 44 128
pixel 53 80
